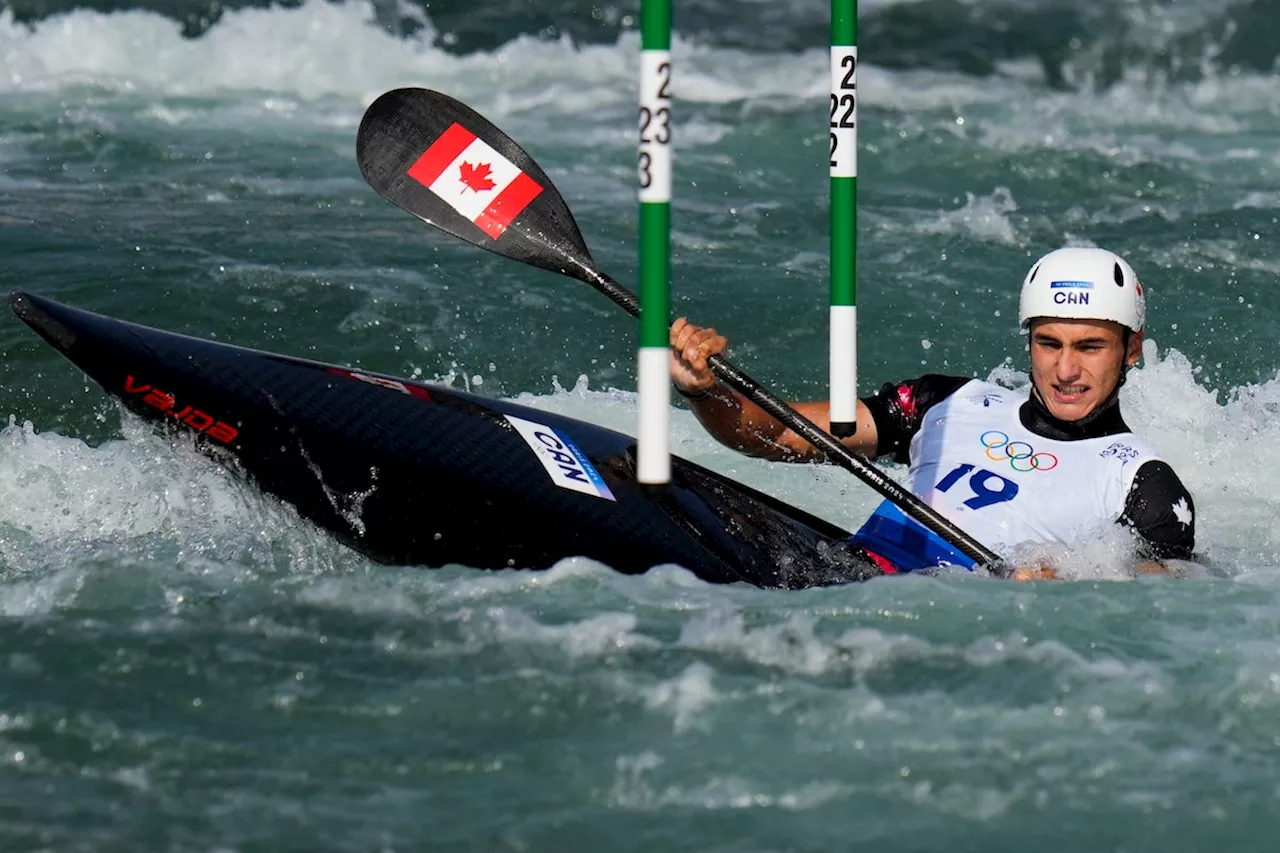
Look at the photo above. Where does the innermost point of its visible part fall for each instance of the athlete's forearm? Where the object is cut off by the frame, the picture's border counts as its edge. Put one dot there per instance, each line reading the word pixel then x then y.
pixel 1035 572
pixel 1045 572
pixel 736 422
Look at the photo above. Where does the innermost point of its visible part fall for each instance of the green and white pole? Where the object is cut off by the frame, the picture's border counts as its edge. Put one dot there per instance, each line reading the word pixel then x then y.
pixel 844 217
pixel 654 463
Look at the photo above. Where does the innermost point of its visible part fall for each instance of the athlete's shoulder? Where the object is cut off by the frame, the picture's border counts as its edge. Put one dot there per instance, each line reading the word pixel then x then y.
pixel 916 396
pixel 898 408
pixel 940 385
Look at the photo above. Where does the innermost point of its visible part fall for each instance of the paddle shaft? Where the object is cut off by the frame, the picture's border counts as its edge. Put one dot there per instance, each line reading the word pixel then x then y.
pixel 888 488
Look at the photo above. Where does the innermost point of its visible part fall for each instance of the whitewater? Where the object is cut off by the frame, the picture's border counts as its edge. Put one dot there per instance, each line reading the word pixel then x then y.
pixel 189 665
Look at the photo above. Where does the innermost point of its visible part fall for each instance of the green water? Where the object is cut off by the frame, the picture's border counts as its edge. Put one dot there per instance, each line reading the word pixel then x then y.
pixel 187 666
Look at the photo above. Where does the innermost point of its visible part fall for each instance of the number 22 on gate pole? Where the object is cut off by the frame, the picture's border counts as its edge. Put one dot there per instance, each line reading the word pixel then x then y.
pixel 844 216
pixel 654 382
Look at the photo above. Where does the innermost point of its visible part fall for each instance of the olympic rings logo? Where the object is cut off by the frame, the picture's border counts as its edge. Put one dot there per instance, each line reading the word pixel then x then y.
pixel 1021 456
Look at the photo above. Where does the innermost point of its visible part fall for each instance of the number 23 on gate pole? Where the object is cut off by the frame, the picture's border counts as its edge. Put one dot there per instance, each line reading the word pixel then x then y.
pixel 654 382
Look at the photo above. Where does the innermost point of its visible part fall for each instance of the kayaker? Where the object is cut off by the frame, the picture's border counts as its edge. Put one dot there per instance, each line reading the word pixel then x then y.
pixel 1051 465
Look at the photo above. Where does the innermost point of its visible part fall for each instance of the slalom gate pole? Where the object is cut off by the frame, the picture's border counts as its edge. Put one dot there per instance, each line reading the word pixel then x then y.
pixel 654 462
pixel 844 217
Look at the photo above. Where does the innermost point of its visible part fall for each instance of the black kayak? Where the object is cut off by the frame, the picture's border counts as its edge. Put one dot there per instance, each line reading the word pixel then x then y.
pixel 416 474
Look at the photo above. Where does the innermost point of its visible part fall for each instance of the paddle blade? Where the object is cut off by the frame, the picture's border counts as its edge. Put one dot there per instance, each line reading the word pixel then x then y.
pixel 449 166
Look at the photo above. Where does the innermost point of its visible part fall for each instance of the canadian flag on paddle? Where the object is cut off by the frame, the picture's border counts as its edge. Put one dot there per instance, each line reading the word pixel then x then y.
pixel 475 180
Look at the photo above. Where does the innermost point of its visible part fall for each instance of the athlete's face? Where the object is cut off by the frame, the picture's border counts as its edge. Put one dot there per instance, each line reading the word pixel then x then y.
pixel 1076 364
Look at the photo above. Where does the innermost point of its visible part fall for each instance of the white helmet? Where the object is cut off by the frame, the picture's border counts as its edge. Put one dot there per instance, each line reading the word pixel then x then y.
pixel 1085 284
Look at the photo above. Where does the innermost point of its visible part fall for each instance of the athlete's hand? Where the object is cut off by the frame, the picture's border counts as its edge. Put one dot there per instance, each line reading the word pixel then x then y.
pixel 1039 572
pixel 691 346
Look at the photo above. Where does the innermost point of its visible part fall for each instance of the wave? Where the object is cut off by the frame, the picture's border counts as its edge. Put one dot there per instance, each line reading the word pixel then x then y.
pixel 1068 45
pixel 356 49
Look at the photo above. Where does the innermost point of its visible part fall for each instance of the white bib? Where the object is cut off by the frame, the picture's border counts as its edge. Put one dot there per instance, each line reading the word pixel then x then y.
pixel 975 463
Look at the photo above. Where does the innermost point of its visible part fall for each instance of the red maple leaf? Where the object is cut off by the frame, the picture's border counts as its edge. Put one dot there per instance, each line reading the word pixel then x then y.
pixel 477 177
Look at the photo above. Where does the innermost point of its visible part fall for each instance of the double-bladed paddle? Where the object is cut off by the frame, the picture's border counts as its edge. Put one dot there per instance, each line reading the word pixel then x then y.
pixel 449 166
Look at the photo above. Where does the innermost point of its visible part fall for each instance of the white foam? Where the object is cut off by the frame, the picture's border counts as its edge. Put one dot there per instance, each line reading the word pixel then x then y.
pixel 317 49
pixel 985 218
pixel 40 594
pixel 632 790
pixel 593 637
pixel 312 51
pixel 789 645
pixel 290 58
pixel 321 63
pixel 62 499
pixel 685 697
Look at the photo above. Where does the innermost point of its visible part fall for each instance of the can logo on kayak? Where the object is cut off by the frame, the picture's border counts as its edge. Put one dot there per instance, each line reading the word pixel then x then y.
pixel 201 422
pixel 565 463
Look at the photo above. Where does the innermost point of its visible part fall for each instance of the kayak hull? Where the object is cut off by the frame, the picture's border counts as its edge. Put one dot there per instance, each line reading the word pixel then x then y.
pixel 410 473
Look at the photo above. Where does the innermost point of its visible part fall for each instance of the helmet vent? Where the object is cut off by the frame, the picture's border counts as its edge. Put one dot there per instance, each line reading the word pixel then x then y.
pixel 1119 276
pixel 1032 277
